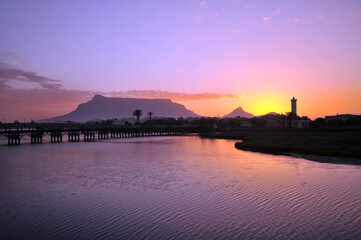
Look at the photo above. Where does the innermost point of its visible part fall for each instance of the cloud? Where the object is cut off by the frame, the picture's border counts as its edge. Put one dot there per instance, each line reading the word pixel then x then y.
pixel 202 3
pixel 197 18
pixel 174 96
pixel 320 17
pixel 235 30
pixel 8 74
pixel 297 20
pixel 266 19
pixel 247 5
pixel 17 104
pixel 277 11
pixel 50 99
pixel 8 55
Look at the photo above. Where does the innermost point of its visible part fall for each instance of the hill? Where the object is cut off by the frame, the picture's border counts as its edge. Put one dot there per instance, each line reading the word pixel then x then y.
pixel 238 112
pixel 269 114
pixel 101 107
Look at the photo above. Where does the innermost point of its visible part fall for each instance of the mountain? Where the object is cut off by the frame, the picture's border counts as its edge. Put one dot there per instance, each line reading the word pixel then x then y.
pixel 269 114
pixel 238 112
pixel 101 107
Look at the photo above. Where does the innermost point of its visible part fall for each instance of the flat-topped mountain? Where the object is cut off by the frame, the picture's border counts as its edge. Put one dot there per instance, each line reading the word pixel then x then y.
pixel 101 107
pixel 239 112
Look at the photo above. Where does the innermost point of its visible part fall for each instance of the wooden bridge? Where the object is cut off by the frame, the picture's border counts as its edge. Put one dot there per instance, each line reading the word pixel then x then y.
pixel 76 132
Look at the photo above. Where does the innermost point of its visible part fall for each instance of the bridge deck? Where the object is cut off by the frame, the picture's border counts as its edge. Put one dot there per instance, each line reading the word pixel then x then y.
pixel 87 133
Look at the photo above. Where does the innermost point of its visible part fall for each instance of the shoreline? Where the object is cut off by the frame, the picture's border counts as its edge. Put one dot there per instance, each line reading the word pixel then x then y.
pixel 305 155
pixel 341 147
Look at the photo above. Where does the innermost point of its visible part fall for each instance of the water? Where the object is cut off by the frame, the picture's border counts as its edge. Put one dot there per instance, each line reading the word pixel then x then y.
pixel 172 187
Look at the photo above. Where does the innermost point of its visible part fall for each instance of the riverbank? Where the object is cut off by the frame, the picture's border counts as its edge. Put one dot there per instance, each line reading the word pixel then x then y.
pixel 333 143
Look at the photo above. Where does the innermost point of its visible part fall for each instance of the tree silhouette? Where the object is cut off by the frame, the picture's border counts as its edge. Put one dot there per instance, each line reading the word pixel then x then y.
pixel 137 113
pixel 318 123
pixel 253 121
pixel 150 115
pixel 290 117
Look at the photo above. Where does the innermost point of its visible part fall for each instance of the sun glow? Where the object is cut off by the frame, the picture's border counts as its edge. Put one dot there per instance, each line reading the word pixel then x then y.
pixel 263 104
pixel 258 104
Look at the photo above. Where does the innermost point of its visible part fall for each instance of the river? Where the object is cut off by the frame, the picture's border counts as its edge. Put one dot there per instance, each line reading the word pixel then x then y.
pixel 172 188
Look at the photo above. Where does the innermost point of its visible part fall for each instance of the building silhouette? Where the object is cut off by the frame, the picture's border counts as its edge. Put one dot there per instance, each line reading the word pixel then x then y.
pixel 294 105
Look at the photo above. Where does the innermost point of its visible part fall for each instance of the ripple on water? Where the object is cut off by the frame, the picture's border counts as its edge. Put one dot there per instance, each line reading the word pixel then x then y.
pixel 174 187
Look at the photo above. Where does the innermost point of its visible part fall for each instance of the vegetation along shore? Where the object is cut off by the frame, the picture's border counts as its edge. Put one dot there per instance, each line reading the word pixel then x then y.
pixel 344 143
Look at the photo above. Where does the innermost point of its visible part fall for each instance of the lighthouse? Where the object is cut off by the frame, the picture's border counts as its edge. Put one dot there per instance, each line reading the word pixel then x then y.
pixel 294 105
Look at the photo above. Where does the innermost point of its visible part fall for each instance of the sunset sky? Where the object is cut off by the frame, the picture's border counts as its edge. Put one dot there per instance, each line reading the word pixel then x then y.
pixel 211 56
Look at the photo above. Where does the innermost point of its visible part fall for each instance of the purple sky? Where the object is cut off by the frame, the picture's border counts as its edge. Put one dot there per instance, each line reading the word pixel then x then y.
pixel 262 52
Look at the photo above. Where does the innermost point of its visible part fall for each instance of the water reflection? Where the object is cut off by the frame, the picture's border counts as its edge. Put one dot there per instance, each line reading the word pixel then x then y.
pixel 181 187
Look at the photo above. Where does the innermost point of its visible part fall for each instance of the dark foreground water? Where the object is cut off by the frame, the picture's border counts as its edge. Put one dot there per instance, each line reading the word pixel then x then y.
pixel 172 187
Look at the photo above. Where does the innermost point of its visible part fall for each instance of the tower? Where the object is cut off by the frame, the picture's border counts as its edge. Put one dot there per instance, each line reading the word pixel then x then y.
pixel 294 105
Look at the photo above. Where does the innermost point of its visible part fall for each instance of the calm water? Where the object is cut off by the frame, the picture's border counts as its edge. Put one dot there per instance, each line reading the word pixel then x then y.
pixel 172 187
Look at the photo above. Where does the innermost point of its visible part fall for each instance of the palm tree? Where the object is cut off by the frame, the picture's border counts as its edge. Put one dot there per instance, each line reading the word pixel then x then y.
pixel 137 113
pixel 150 115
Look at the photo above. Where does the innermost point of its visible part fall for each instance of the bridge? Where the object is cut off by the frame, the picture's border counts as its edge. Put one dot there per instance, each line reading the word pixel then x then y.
pixel 86 132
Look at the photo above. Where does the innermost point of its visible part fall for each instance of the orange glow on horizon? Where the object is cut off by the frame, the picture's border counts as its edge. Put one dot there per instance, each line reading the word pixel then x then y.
pixel 312 103
pixel 263 104
pixel 256 105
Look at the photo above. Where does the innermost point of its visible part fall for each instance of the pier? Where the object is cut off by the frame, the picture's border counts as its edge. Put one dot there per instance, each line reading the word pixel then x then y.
pixel 83 132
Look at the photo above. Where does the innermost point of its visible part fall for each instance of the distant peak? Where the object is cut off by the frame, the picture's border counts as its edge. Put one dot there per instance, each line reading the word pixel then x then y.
pixel 97 96
pixel 269 114
pixel 272 113
pixel 239 112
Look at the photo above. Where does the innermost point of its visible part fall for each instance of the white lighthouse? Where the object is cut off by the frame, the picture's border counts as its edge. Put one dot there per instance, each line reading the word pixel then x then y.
pixel 294 105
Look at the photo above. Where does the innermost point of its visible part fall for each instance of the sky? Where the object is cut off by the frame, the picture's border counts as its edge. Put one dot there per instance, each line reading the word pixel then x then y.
pixel 211 56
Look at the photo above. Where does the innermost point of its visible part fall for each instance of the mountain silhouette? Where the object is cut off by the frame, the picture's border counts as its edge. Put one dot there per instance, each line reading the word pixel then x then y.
pixel 238 112
pixel 269 114
pixel 101 107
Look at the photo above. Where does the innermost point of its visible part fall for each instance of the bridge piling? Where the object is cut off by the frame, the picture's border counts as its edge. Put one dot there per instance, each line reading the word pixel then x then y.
pixel 56 137
pixel 13 139
pixel 73 136
pixel 89 132
pixel 36 137
pixel 89 136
